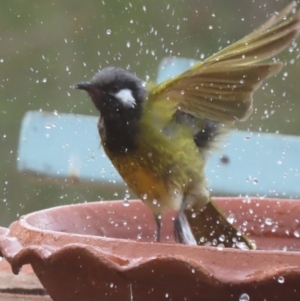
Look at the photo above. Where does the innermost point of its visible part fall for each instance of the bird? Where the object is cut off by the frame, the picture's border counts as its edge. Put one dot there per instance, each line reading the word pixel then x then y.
pixel 158 137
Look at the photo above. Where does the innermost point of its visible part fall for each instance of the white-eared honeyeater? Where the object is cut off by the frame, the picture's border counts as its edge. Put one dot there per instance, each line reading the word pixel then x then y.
pixel 158 137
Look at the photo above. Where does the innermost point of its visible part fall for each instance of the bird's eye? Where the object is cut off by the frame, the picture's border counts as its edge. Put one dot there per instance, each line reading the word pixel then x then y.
pixel 114 89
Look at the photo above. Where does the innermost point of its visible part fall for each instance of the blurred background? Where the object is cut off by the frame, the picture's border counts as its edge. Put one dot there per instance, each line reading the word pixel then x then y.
pixel 45 47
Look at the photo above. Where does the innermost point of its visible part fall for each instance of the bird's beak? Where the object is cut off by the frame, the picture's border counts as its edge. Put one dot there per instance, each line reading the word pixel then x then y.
pixel 87 86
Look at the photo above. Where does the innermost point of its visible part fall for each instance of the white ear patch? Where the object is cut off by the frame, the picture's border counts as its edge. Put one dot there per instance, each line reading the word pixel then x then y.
pixel 126 97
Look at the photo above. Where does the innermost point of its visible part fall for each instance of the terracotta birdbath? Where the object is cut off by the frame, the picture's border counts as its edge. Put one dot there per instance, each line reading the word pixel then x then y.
pixel 107 251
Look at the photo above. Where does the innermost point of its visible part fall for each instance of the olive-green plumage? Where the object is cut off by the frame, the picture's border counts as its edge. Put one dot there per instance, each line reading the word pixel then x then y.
pixel 158 137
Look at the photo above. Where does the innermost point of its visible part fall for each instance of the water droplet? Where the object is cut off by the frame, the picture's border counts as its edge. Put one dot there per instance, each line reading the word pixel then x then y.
pixel 128 44
pixel 268 221
pixel 193 271
pixel 241 245
pixel 166 295
pixel 44 80
pixel 274 228
pixel 280 279
pixel 296 234
pixel 127 195
pixel 108 31
pixel 220 247
pixel 154 202
pixel 222 238
pixel 111 285
pixel 202 239
pixel 231 218
pixel 244 297
pixel 144 196
pixel 125 202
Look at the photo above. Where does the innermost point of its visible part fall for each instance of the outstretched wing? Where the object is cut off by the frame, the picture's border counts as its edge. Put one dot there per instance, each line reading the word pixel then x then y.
pixel 221 87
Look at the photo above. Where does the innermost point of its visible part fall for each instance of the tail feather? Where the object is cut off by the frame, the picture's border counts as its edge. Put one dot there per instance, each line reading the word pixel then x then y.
pixel 209 226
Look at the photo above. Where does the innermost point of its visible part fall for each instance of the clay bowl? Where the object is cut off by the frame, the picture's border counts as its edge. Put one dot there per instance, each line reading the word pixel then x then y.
pixel 107 251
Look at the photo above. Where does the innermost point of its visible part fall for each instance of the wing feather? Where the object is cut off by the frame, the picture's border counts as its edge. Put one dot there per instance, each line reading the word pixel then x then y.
pixel 221 87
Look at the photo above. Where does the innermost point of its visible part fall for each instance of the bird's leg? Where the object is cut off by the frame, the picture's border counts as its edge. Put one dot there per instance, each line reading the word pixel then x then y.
pixel 158 224
pixel 182 230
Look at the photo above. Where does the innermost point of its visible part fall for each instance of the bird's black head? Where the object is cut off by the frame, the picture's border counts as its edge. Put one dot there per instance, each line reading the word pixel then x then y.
pixel 115 91
pixel 119 96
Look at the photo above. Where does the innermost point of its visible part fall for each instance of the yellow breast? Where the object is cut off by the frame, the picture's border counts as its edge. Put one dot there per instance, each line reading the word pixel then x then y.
pixel 151 185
